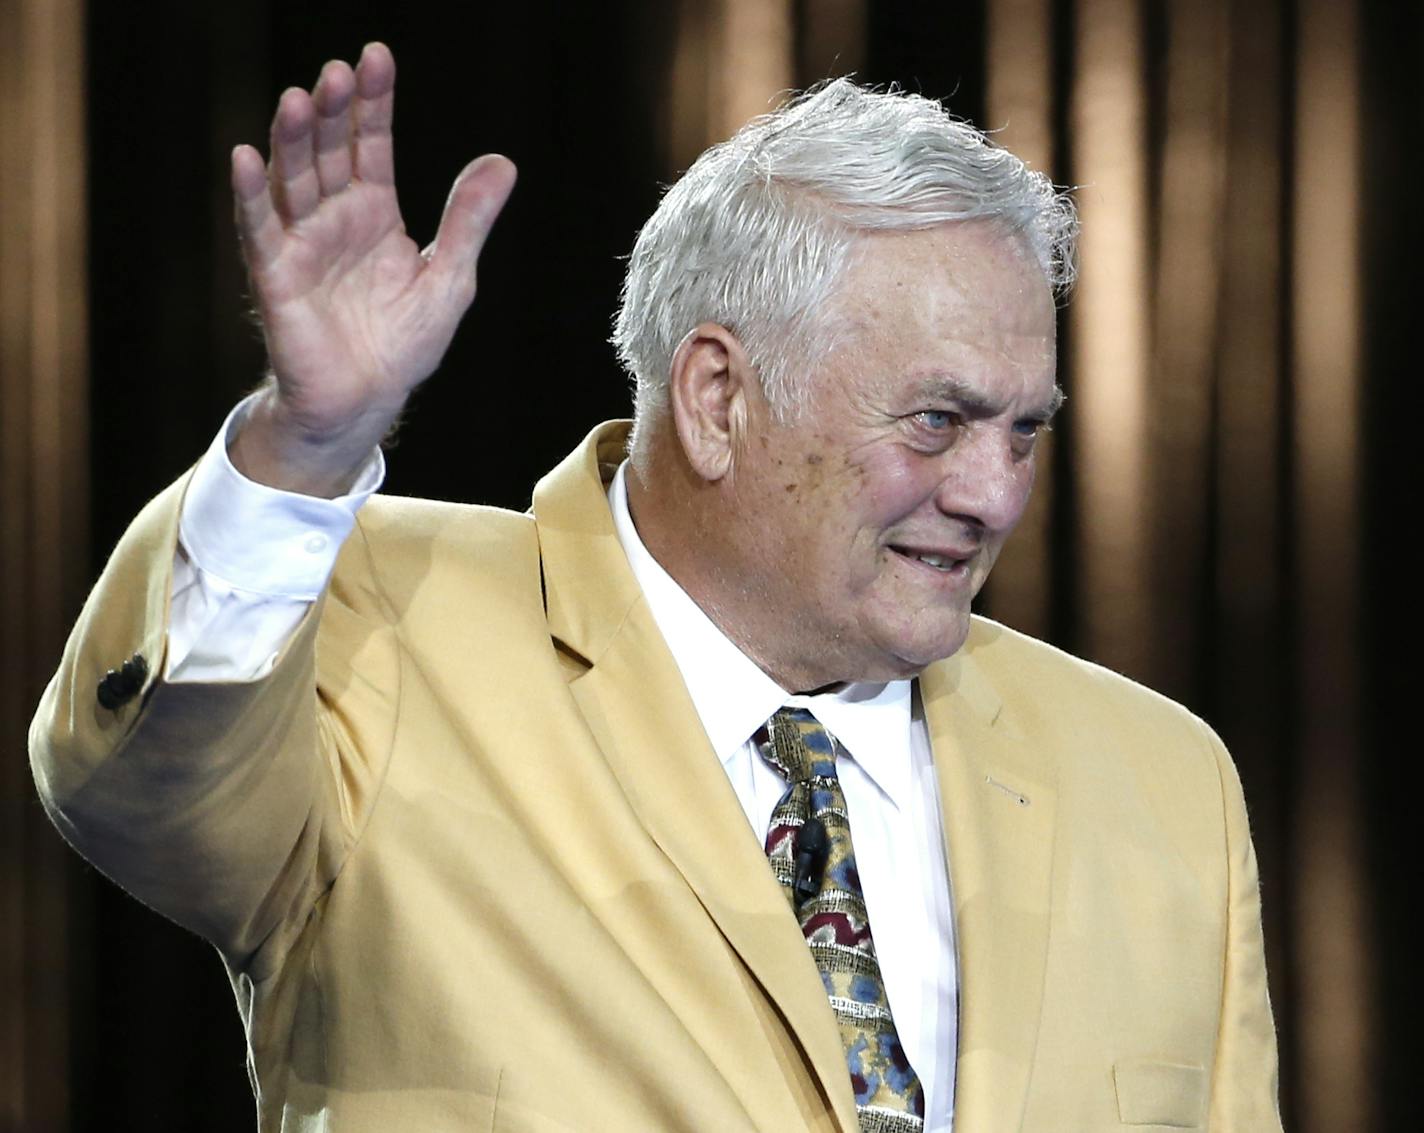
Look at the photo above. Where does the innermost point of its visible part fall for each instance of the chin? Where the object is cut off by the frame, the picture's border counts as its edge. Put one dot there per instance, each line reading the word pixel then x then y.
pixel 913 656
pixel 891 649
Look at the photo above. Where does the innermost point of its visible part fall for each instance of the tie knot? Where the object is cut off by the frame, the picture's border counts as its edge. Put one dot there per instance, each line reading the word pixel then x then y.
pixel 800 746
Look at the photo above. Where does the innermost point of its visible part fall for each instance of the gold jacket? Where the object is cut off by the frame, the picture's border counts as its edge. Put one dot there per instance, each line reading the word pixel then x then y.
pixel 472 865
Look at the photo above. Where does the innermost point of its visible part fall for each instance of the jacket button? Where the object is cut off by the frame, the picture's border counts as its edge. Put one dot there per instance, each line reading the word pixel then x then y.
pixel 121 685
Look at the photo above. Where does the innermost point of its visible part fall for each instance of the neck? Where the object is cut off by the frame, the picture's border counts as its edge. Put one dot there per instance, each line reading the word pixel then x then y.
pixel 680 521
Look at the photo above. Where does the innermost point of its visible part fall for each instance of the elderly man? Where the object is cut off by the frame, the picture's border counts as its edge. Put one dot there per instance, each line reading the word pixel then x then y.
pixel 544 821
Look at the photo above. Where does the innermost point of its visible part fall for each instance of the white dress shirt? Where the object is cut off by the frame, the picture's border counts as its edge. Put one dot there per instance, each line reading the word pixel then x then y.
pixel 252 559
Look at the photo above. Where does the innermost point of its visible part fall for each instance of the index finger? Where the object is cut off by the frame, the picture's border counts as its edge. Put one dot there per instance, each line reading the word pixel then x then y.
pixel 371 114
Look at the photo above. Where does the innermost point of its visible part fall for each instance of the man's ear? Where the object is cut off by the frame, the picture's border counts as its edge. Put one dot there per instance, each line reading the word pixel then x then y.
pixel 708 389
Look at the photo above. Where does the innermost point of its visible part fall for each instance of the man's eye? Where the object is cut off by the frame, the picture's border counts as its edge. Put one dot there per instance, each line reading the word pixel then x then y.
pixel 1030 428
pixel 937 420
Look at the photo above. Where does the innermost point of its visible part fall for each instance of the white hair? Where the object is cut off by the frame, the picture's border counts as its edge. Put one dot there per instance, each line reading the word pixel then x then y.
pixel 756 234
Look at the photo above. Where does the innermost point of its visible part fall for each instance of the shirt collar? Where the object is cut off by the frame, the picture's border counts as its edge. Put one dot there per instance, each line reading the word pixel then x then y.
pixel 872 721
pixel 734 697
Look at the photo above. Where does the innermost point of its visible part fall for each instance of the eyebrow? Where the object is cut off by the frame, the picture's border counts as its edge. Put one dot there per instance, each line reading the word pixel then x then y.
pixel 1055 403
pixel 950 388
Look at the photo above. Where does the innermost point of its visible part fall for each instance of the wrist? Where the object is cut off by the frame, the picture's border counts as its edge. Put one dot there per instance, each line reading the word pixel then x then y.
pixel 274 446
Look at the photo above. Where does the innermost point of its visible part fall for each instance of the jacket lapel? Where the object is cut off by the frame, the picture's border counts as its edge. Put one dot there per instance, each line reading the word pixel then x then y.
pixel 635 702
pixel 998 800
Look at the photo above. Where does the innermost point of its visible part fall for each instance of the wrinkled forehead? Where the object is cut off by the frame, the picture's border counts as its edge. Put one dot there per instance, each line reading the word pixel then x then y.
pixel 976 282
pixel 969 257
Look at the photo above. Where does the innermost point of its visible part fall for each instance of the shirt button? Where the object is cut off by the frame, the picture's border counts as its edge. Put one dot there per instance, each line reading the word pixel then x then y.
pixel 315 544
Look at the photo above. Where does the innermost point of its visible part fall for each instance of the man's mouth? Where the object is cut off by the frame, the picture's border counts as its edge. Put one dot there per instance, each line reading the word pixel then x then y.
pixel 944 561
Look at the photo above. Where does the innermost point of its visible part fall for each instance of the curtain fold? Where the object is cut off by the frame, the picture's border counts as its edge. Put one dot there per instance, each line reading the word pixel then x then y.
pixel 43 523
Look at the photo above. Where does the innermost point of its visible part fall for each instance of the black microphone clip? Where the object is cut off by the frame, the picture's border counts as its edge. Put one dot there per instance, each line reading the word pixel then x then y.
pixel 813 847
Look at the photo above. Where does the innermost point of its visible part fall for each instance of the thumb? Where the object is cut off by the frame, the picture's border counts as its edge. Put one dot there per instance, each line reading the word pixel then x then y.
pixel 475 201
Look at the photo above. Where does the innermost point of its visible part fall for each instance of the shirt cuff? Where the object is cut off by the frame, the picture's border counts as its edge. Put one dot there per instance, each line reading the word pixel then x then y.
pixel 261 539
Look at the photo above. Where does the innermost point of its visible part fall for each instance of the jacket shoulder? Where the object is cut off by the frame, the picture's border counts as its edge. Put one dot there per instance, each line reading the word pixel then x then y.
pixel 401 536
pixel 1054 688
pixel 408 517
pixel 427 565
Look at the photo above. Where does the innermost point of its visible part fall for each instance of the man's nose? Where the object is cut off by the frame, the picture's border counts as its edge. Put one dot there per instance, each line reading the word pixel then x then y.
pixel 985 481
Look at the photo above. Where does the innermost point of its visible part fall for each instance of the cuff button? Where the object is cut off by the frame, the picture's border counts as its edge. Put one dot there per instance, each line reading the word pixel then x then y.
pixel 121 685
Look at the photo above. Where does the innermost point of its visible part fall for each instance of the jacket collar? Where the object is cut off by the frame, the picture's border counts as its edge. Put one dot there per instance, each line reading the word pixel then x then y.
pixel 634 700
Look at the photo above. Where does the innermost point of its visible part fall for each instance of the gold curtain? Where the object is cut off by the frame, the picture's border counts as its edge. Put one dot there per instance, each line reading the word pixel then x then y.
pixel 43 521
pixel 734 59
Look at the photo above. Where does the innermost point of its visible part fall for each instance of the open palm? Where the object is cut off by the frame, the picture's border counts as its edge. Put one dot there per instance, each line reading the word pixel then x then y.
pixel 354 313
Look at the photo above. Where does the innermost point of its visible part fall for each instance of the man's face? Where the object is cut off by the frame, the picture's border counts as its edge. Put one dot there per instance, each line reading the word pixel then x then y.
pixel 869 522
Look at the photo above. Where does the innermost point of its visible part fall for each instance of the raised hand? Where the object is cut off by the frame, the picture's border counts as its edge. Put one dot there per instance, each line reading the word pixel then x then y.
pixel 354 313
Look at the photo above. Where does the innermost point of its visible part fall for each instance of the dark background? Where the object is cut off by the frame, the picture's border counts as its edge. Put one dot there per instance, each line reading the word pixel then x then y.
pixel 573 93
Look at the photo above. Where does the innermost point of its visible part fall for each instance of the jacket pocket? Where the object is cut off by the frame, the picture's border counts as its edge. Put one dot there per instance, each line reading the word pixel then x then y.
pixel 1167 1094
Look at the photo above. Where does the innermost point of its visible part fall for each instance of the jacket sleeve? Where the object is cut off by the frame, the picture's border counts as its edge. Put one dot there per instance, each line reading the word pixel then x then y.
pixel 223 805
pixel 1244 1088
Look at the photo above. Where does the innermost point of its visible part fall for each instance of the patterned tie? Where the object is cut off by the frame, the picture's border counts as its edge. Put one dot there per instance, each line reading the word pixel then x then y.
pixel 888 1094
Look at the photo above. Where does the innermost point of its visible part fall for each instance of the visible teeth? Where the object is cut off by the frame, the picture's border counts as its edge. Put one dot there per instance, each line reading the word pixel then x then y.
pixel 939 562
